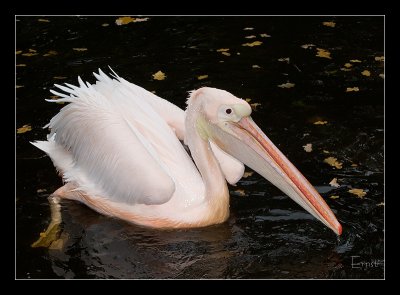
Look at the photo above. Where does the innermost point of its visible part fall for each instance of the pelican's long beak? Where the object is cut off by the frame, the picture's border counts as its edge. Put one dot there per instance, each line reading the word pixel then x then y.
pixel 245 141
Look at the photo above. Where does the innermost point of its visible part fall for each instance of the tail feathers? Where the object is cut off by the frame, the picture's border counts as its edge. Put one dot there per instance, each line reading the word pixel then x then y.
pixel 61 158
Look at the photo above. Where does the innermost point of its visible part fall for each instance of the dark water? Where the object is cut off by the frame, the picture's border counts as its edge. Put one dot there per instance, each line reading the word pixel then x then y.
pixel 267 235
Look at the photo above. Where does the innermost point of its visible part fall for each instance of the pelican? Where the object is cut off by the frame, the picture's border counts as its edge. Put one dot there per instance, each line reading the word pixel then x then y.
pixel 118 149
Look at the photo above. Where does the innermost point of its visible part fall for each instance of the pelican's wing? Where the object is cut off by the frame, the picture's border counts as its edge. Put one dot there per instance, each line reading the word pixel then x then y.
pixel 175 117
pixel 114 144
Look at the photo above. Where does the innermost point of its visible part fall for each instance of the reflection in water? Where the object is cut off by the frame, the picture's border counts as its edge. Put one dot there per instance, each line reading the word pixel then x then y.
pixel 267 235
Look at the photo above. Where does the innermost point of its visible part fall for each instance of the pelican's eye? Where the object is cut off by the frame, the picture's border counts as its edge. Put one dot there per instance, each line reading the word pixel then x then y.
pixel 228 111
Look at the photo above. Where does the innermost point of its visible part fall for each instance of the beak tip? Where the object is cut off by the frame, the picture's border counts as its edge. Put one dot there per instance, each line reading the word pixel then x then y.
pixel 339 229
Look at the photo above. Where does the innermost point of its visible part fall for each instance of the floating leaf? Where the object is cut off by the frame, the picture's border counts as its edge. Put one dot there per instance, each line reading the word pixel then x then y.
pixel 307 46
pixel 352 89
pixel 329 24
pixel 354 165
pixel 366 73
pixel 255 66
pixel 323 53
pixel 105 25
pixel 226 53
pixel 51 53
pixel 344 69
pixel 24 129
pixel 286 85
pixel 248 174
pixel 320 122
pixel 358 192
pixel 251 37
pixel 381 204
pixel 41 190
pixel 18 52
pixel 334 183
pixel 19 86
pixel 32 50
pixel 348 65
pixel 354 60
pixel 43 20
pixel 80 49
pixel 265 35
pixel 255 43
pixel 127 19
pixel 379 58
pixel 285 59
pixel 326 152
pixel 333 162
pixel 334 197
pixel 21 65
pixel 382 76
pixel 222 49
pixel 237 53
pixel 59 77
pixel 247 99
pixel 255 105
pixel 202 77
pixel 248 29
pixel 308 147
pixel 159 76
pixel 29 54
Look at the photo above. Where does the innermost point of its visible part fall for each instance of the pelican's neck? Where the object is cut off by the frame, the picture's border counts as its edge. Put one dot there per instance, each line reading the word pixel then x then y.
pixel 216 190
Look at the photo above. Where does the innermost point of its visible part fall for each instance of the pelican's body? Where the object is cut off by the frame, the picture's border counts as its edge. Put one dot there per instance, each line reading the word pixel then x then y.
pixel 118 148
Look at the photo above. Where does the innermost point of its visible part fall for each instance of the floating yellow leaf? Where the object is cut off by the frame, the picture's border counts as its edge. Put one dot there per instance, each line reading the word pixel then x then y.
pixel 381 204
pixel 51 53
pixel 18 52
pixel 355 60
pixel 226 53
pixel 105 25
pixel 333 162
pixel 251 37
pixel 248 99
pixel 308 147
pixel 358 192
pixel 221 61
pixel 41 190
pixel 43 20
pixel 286 85
pixel 222 49
pixel 255 105
pixel 201 77
pixel 354 165
pixel 320 122
pixel 248 29
pixel 159 76
pixel 352 89
pixel 307 46
pixel 334 183
pixel 326 152
pixel 329 24
pixel 247 174
pixel 285 59
pixel 382 76
pixel 265 35
pixel 379 58
pixel 80 49
pixel 334 197
pixel 59 77
pixel 255 66
pixel 255 43
pixel 29 54
pixel 366 73
pixel 344 69
pixel 21 65
pixel 237 53
pixel 19 86
pixel 24 129
pixel 240 192
pixel 127 19
pixel 348 65
pixel 323 53
pixel 32 50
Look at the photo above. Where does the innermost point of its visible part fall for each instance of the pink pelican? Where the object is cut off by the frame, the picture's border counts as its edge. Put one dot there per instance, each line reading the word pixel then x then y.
pixel 118 149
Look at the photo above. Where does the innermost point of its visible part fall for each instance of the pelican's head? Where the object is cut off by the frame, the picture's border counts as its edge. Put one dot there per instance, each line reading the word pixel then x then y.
pixel 225 120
